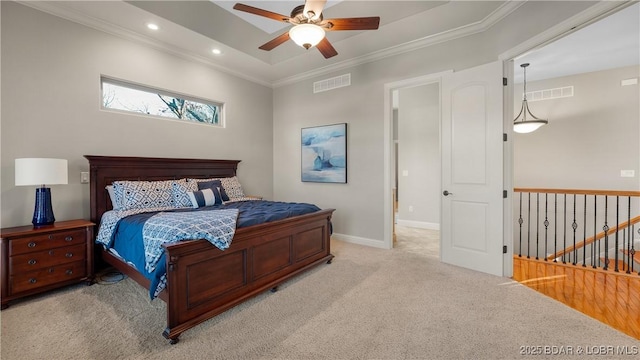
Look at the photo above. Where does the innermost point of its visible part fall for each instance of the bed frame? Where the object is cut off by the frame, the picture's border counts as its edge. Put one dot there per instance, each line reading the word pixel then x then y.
pixel 203 281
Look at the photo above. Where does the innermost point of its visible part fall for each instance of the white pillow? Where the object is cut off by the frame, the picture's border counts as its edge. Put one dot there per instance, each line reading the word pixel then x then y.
pixel 116 204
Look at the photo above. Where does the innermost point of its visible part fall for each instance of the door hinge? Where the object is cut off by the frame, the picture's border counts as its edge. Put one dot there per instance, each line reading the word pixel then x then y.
pixel 504 81
pixel 504 194
pixel 504 249
pixel 504 136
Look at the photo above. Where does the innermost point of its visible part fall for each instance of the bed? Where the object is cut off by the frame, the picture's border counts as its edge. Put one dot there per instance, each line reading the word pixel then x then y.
pixel 203 281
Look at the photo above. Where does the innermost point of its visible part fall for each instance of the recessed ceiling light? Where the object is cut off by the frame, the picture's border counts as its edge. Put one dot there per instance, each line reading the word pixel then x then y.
pixel 216 51
pixel 152 26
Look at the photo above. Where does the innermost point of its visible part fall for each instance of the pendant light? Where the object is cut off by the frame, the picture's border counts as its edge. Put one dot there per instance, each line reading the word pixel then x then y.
pixel 525 125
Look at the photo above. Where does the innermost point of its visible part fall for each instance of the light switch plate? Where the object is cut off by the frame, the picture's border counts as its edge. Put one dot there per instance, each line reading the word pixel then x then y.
pixel 627 173
pixel 84 177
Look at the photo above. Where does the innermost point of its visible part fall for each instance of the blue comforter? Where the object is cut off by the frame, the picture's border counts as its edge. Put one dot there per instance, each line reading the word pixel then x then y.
pixel 126 238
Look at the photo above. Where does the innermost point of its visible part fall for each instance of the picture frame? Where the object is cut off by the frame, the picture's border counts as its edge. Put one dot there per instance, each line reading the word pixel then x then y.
pixel 324 153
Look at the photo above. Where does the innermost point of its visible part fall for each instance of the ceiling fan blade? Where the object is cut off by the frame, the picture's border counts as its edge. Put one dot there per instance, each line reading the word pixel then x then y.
pixel 363 23
pixel 260 12
pixel 326 49
pixel 314 6
pixel 275 42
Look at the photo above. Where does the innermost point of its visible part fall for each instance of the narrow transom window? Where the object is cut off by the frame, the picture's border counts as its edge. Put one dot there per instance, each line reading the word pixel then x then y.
pixel 140 99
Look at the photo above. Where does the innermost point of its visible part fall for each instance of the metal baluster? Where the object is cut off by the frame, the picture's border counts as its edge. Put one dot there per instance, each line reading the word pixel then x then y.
pixel 615 254
pixel 633 247
pixel 574 226
pixel 584 232
pixel 606 236
pixel 595 232
pixel 565 229
pixel 629 234
pixel 537 222
pixel 555 228
pixel 520 221
pixel 546 227
pixel 529 227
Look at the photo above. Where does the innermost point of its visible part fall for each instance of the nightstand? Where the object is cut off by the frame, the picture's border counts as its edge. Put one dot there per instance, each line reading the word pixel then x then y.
pixel 35 260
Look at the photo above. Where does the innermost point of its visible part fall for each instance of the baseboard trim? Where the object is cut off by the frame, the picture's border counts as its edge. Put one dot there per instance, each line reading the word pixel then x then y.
pixel 360 240
pixel 418 224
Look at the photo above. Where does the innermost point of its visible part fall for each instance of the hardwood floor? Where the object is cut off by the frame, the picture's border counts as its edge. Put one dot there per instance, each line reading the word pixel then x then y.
pixel 613 298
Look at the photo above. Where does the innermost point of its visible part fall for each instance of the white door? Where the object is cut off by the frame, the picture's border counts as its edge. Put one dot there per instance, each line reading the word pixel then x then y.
pixel 472 169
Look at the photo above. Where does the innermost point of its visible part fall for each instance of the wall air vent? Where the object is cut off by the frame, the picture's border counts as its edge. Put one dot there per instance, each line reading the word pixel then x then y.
pixel 548 94
pixel 332 83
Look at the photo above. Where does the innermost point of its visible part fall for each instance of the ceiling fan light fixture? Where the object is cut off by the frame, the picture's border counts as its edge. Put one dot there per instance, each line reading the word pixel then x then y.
pixel 306 35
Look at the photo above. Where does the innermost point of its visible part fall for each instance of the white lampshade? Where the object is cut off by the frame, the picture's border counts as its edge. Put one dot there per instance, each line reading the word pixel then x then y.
pixel 528 126
pixel 306 35
pixel 41 171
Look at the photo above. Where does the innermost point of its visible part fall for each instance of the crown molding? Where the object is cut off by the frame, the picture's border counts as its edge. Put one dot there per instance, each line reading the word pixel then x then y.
pixel 55 8
pixel 58 9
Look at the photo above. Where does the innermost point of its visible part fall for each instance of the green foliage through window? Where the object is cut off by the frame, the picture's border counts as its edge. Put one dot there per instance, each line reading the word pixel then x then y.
pixel 139 99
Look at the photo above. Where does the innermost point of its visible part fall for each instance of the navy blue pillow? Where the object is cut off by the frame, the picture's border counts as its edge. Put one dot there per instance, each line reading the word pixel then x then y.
pixel 205 197
pixel 214 184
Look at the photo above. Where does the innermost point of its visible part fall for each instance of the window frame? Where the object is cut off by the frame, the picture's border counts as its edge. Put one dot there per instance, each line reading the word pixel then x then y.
pixel 154 90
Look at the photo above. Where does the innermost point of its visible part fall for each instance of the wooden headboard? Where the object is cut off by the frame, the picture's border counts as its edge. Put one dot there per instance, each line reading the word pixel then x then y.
pixel 104 170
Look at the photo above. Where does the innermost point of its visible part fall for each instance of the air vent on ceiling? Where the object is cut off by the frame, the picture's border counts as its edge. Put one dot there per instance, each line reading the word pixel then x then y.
pixel 332 83
pixel 548 94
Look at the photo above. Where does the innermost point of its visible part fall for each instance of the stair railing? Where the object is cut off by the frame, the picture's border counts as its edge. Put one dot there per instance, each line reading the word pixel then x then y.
pixel 574 226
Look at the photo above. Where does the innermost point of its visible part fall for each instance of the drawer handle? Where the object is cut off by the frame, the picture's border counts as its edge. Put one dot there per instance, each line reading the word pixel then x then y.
pixel 32 280
pixel 68 238
pixel 31 244
pixel 68 255
pixel 50 237
pixel 69 272
pixel 32 262
pixel 50 270
pixel 51 252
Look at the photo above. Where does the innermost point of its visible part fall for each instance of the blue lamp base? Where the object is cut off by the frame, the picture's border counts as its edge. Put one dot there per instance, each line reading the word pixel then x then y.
pixel 43 213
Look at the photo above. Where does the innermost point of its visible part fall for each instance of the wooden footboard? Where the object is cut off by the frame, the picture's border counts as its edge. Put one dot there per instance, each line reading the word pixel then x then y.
pixel 203 281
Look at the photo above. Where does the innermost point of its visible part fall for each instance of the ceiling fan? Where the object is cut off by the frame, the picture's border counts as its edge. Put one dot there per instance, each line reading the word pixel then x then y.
pixel 309 26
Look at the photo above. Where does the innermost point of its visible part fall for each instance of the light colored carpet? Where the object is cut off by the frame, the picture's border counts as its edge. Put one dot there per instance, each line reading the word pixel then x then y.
pixel 368 304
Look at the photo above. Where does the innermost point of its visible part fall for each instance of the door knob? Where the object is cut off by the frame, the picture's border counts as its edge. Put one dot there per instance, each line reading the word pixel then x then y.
pixel 446 193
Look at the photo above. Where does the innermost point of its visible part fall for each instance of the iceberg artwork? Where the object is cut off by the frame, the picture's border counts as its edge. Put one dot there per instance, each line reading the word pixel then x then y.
pixel 324 153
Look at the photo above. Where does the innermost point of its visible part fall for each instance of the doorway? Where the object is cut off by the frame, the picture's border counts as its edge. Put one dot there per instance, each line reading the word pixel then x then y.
pixel 417 164
pixel 412 155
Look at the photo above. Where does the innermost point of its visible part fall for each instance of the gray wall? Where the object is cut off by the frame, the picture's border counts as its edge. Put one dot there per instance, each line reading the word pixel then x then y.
pixel 359 203
pixel 419 155
pixel 590 136
pixel 51 108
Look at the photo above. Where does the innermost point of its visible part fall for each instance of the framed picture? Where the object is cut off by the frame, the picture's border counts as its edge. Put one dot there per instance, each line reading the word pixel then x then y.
pixel 324 154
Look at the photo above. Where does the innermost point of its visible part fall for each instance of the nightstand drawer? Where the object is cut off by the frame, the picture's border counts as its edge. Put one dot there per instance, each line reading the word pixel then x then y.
pixel 46 258
pixel 46 276
pixel 47 241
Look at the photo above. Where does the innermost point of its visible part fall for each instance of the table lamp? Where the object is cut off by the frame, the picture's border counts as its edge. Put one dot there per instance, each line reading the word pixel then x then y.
pixel 40 171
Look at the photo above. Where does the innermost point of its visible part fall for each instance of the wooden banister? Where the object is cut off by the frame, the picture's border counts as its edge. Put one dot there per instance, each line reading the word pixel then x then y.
pixel 579 192
pixel 597 237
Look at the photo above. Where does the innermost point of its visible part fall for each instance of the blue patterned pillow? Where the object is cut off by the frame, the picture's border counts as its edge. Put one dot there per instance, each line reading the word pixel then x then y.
pixel 181 189
pixel 205 197
pixel 145 194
